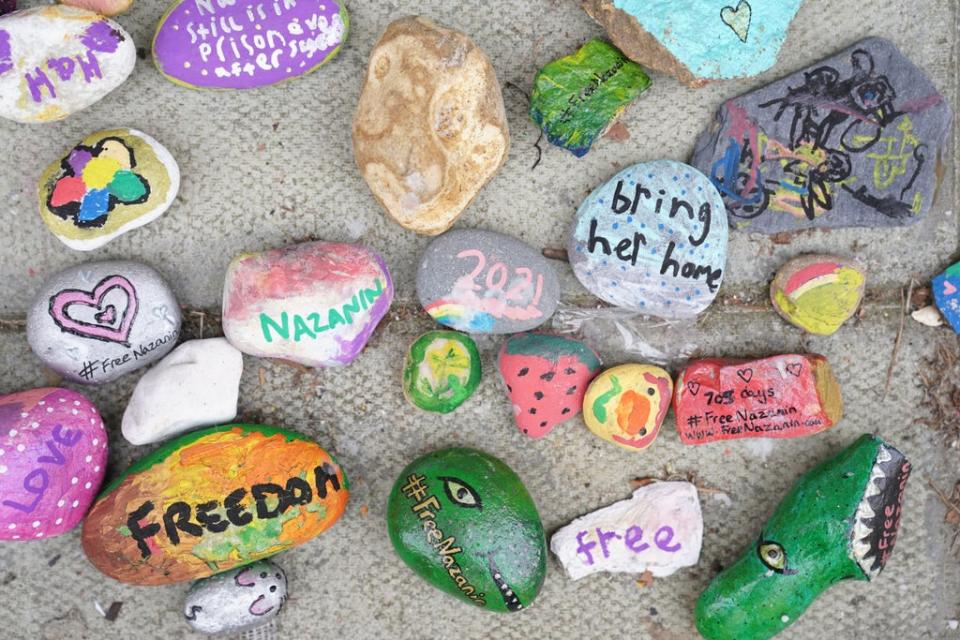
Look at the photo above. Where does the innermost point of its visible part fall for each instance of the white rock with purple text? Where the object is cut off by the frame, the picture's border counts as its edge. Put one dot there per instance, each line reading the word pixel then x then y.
pixel 197 385
pixel 659 529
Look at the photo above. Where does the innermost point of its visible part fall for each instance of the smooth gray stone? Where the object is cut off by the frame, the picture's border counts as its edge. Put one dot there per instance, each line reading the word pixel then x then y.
pixel 853 140
pixel 97 321
pixel 237 600
pixel 486 282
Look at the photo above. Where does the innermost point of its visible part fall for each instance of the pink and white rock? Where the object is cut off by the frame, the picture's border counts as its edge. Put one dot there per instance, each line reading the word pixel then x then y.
pixel 315 303
pixel 659 529
pixel 53 454
pixel 197 385
pixel 56 60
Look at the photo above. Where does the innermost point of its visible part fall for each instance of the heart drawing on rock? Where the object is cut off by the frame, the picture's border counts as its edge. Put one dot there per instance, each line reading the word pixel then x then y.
pixel 795 369
pixel 105 325
pixel 745 374
pixel 738 19
pixel 693 387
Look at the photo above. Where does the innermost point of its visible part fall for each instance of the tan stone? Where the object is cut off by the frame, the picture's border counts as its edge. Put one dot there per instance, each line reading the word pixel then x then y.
pixel 430 130
pixel 103 7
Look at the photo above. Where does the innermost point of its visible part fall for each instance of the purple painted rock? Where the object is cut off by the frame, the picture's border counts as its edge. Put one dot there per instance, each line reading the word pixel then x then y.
pixel 53 453
pixel 315 303
pixel 223 44
pixel 57 60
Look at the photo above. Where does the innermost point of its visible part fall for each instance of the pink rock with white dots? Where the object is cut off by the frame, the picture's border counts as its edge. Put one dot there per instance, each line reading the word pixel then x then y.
pixel 53 454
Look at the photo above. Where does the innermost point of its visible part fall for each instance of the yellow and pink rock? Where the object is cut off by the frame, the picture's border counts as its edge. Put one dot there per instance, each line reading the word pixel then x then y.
pixel 626 405
pixel 818 293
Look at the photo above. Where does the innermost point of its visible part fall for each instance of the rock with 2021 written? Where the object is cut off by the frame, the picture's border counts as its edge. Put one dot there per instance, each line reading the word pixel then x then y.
pixel 659 529
pixel 698 41
pixel 430 130
pixel 244 45
pixel 316 303
pixel 653 239
pixel 238 600
pixel 486 282
pixel 196 385
pixel 53 455
pixel 855 140
pixel 56 60
pixel 112 182
pixel 97 321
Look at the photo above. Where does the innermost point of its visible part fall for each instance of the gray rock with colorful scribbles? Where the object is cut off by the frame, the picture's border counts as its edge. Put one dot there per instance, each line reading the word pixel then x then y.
pixel 238 600
pixel 486 282
pixel 97 321
pixel 853 140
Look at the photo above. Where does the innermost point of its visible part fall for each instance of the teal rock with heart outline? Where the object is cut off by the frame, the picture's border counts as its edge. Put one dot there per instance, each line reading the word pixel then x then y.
pixel 576 98
pixel 464 522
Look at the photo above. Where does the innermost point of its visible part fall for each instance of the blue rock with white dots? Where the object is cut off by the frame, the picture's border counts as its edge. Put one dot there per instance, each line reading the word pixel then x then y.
pixel 653 239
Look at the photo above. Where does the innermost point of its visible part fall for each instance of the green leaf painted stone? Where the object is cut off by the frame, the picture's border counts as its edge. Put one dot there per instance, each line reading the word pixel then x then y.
pixel 442 370
pixel 464 522
pixel 839 521
pixel 576 98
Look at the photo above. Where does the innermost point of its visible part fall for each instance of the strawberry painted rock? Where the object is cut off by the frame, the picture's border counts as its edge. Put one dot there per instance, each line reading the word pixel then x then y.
pixel 546 377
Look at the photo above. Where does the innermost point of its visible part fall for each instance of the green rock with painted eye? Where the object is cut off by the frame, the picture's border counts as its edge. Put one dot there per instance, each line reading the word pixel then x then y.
pixel 839 521
pixel 464 522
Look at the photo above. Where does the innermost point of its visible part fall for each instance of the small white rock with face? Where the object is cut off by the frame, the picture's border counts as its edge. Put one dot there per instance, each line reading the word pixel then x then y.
pixel 238 600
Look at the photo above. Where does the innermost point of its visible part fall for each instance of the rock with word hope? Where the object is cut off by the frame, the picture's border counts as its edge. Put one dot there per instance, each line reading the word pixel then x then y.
pixel 783 396
pixel 486 282
pixel 315 303
pixel 838 522
pixel 546 377
pixel 463 521
pixel 237 601
pixel 212 500
pixel 56 60
pixel 652 239
pixel 220 44
pixel 442 370
pixel 818 293
pixel 659 529
pixel 97 321
pixel 112 182
pixel 430 129
pixel 53 454
pixel 626 405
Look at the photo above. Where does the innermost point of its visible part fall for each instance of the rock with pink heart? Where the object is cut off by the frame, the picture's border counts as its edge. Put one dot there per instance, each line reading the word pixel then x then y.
pixel 238 600
pixel 53 453
pixel 546 377
pixel 97 321
pixel 314 303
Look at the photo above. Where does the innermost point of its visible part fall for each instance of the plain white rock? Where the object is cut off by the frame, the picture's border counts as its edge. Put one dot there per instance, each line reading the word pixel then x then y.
pixel 56 60
pixel 659 529
pixel 197 385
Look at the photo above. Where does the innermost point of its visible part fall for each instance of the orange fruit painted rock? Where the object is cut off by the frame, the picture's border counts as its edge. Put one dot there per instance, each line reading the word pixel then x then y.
pixel 212 500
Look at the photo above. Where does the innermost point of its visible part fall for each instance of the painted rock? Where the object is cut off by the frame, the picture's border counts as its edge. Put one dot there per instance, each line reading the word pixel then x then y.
pixel 486 282
pixel 57 60
pixel 197 385
pixel 652 239
pixel 53 454
pixel 818 293
pixel 659 529
pixel 839 521
pixel 626 405
pixel 212 500
pixel 854 140
pixel 442 370
pixel 945 293
pixel 316 303
pixel 222 44
pixel 103 7
pixel 784 396
pixel 546 377
pixel 97 321
pixel 698 41
pixel 7 6
pixel 577 98
pixel 238 600
pixel 464 522
pixel 430 130
pixel 112 182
